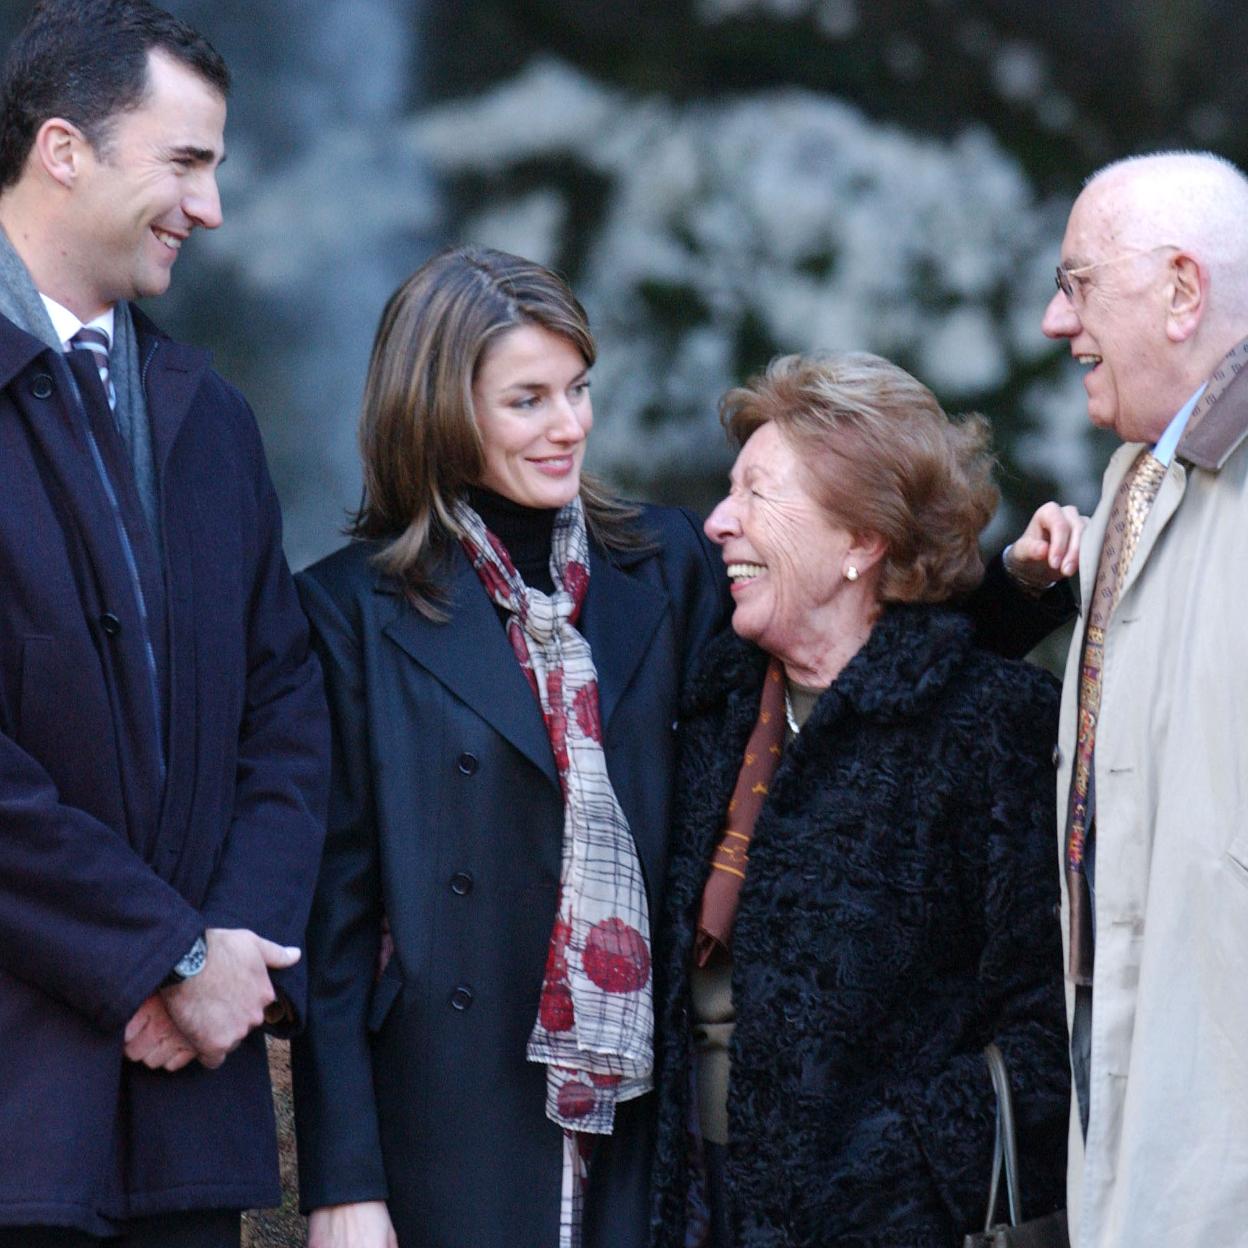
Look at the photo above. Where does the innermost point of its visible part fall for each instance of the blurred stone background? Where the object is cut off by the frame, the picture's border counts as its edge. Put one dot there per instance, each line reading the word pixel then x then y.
pixel 720 180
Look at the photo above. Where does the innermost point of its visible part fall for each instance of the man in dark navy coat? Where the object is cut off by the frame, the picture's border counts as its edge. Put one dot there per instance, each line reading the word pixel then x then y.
pixel 163 743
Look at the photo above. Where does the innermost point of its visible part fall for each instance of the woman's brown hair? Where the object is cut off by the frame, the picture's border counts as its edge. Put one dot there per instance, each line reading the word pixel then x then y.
pixel 418 435
pixel 882 457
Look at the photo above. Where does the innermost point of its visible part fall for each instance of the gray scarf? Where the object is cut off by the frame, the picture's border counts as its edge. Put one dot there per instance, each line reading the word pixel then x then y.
pixel 20 302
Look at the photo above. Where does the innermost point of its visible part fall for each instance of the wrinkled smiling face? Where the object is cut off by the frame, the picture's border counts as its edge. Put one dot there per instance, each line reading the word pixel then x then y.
pixel 151 183
pixel 531 402
pixel 785 557
pixel 1116 320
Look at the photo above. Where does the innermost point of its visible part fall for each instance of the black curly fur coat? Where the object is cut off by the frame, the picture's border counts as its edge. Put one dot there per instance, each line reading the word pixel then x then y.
pixel 898 914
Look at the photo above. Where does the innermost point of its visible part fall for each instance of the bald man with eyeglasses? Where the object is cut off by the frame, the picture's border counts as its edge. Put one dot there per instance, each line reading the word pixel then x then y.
pixel 1152 296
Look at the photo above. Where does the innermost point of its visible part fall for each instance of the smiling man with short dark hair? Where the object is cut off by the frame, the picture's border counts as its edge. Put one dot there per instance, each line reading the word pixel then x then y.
pixel 162 727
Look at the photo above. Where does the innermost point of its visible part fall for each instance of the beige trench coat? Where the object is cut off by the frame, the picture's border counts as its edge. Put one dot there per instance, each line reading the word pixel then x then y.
pixel 1166 1163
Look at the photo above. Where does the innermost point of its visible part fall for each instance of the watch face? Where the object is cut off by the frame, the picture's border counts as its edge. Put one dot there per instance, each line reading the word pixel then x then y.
pixel 192 962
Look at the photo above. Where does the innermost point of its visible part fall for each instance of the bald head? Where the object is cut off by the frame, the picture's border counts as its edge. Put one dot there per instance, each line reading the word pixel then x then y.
pixel 1153 285
pixel 1192 200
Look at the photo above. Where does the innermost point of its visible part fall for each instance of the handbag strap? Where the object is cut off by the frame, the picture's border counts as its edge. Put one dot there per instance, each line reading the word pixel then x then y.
pixel 1005 1147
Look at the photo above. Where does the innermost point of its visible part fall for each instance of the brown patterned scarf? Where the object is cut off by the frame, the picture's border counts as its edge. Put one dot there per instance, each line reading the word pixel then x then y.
pixel 728 866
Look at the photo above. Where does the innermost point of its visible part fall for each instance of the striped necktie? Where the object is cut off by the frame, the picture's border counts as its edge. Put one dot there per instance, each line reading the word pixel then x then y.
pixel 96 341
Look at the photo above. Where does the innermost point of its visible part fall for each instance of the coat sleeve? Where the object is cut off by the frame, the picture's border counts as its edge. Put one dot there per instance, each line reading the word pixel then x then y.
pixel 82 916
pixel 1008 620
pixel 267 869
pixel 1010 872
pixel 340 1157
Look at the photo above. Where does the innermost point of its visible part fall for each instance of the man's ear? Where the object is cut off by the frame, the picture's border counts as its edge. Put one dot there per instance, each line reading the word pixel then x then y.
pixel 1188 288
pixel 60 148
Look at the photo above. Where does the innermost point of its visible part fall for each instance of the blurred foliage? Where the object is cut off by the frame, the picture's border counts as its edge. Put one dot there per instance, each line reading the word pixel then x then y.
pixel 1063 87
pixel 1116 77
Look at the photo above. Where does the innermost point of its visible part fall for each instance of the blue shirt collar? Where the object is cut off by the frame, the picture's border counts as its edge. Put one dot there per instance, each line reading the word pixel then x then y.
pixel 1164 450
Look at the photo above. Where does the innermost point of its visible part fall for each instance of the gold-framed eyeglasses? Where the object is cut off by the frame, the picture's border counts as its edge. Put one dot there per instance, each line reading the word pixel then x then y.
pixel 1068 288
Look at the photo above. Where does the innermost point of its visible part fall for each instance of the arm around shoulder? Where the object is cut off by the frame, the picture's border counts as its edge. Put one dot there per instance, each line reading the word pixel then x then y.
pixel 1010 620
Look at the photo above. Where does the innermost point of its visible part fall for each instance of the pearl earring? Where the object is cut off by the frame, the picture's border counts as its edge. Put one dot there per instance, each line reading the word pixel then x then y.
pixel 851 573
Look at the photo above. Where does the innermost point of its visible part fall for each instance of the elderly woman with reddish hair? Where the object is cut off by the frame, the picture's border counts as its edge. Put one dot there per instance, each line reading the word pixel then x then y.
pixel 862 884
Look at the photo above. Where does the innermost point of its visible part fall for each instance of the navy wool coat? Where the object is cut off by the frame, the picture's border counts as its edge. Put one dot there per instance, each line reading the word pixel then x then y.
pixel 104 884
pixel 446 815
pixel 897 915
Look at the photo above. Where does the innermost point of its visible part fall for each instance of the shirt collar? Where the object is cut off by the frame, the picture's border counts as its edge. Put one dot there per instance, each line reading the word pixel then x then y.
pixel 1164 450
pixel 67 324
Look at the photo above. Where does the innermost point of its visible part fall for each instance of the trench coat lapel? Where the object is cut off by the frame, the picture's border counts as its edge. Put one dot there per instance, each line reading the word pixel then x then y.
pixel 619 620
pixel 1169 496
pixel 469 653
pixel 1094 536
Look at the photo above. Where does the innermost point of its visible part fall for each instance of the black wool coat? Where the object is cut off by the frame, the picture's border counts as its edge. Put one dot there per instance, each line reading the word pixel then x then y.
pixel 897 915
pixel 106 874
pixel 446 816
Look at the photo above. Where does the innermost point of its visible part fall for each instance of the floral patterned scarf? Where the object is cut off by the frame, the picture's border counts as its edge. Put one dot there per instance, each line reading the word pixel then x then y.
pixel 595 1023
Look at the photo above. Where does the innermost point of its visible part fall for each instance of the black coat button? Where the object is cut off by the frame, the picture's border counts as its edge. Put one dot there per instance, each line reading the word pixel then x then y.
pixel 110 624
pixel 461 998
pixel 1057 756
pixel 468 764
pixel 41 387
pixel 461 883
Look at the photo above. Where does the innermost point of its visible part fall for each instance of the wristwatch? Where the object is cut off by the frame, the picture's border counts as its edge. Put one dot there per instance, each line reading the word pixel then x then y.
pixel 1033 588
pixel 188 965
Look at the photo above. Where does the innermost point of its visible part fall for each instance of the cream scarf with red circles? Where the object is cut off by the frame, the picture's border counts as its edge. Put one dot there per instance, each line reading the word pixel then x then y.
pixel 595 1025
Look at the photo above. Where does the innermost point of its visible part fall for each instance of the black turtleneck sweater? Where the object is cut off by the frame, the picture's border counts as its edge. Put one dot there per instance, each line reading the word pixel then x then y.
pixel 525 531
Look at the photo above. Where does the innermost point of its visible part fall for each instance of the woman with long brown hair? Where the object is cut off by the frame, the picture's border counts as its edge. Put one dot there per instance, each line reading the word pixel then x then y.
pixel 503 646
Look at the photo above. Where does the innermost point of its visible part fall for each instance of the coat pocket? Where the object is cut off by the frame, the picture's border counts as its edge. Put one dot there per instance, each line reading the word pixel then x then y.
pixel 385 993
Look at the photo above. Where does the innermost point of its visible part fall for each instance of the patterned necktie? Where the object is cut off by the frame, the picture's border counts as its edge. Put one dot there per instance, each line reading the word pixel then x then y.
pixel 1122 535
pixel 96 341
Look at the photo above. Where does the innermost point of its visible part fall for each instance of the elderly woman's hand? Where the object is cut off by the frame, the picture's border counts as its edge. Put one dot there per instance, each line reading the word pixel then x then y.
pixel 1048 548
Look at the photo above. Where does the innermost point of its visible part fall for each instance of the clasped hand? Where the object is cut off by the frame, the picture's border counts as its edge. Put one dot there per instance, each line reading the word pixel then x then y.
pixel 209 1015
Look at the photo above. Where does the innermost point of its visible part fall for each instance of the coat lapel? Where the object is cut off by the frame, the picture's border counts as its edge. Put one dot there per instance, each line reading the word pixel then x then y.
pixel 469 653
pixel 1169 496
pixel 1094 536
pixel 1215 430
pixel 471 656
pixel 619 620
pixel 1213 436
pixel 172 373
